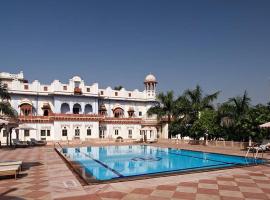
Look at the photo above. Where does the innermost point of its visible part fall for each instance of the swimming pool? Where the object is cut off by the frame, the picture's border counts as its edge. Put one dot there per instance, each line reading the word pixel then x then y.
pixel 116 162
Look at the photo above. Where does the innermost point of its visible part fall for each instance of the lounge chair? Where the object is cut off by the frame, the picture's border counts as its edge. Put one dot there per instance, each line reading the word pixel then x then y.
pixel 18 143
pixel 264 146
pixel 10 170
pixel 151 140
pixel 9 163
pixel 139 140
pixel 35 142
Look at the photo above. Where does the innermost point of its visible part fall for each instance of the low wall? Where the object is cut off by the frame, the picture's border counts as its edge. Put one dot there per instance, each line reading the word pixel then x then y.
pixel 90 141
pixel 211 143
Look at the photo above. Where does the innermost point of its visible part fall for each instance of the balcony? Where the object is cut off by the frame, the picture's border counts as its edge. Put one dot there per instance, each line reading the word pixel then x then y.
pixel 77 91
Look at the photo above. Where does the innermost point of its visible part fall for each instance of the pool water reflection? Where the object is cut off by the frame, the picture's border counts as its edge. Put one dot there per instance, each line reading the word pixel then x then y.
pixel 113 162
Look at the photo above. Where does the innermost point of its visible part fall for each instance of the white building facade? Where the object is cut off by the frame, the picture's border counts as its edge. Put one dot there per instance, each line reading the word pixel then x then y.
pixel 77 111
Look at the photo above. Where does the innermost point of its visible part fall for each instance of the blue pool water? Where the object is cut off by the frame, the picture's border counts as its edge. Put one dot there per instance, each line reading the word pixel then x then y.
pixel 112 162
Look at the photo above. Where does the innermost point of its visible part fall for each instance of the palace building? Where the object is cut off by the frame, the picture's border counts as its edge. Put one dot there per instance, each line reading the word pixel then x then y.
pixel 78 111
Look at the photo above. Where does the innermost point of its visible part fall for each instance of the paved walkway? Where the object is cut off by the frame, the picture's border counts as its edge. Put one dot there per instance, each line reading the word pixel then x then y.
pixel 46 176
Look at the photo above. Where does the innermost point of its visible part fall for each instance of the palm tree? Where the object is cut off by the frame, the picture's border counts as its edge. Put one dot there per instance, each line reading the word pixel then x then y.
pixel 233 113
pixel 6 110
pixel 240 104
pixel 5 107
pixel 165 107
pixel 198 102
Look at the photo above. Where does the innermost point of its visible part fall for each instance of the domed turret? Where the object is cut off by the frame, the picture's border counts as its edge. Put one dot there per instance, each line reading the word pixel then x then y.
pixel 150 83
pixel 150 78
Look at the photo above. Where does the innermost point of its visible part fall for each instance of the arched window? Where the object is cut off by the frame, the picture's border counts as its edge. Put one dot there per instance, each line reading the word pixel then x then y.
pixel 46 109
pixel 77 108
pixel 77 132
pixel 118 112
pixel 88 109
pixel 102 109
pixel 26 109
pixel 131 112
pixel 89 131
pixel 65 108
pixel 64 132
pixel 46 113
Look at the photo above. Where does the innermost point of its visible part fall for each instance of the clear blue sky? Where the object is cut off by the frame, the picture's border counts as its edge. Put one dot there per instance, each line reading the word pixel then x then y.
pixel 221 45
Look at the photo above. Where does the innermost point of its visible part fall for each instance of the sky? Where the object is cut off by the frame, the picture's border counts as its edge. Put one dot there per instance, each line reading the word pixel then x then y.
pixel 222 45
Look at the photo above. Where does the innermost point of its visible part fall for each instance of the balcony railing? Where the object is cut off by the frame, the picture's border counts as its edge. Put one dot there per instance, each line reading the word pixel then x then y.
pixel 78 117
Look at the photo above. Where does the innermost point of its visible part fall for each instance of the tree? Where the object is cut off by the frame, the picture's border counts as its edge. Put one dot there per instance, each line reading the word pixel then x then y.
pixel 5 107
pixel 195 103
pixel 207 123
pixel 119 87
pixel 165 107
pixel 256 116
pixel 233 114
pixel 240 105
pixel 199 102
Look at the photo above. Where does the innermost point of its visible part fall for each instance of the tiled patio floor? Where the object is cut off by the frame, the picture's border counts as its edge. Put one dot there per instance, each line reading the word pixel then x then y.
pixel 46 176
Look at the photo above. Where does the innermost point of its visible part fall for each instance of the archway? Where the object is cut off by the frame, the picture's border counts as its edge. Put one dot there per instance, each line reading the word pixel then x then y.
pixel 46 113
pixel 118 112
pixel 88 109
pixel 65 108
pixel 77 109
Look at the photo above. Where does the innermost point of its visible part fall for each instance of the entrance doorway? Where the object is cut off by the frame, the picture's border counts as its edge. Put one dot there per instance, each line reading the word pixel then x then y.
pixel 101 134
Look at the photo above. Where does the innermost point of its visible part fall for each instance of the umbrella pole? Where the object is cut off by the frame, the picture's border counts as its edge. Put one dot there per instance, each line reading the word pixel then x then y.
pixel 10 134
pixel 6 129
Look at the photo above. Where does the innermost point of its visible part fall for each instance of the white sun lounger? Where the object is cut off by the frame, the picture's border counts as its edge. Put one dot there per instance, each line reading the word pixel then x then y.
pixel 9 163
pixel 10 170
pixel 151 140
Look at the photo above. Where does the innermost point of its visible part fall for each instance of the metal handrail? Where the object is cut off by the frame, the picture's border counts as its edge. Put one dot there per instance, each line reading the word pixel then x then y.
pixel 59 145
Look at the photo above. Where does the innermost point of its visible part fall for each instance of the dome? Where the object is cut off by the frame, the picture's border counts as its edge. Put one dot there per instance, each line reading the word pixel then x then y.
pixel 77 79
pixel 150 78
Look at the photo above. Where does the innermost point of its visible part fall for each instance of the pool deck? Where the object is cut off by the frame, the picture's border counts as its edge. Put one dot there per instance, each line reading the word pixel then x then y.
pixel 46 176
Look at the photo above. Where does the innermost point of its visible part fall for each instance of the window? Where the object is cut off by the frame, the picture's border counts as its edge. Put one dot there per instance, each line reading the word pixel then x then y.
pixel 26 87
pixel 64 87
pixel 116 132
pixel 26 109
pixel 129 94
pixel 89 149
pixel 116 93
pixel 48 133
pixel 88 132
pixel 46 112
pixel 77 108
pixel 140 113
pixel 5 85
pixel 101 92
pixel 130 134
pixel 45 88
pixel 101 134
pixel 77 132
pixel 43 133
pixel 118 112
pixel 64 132
pixel 26 133
pixel 77 84
pixel 88 89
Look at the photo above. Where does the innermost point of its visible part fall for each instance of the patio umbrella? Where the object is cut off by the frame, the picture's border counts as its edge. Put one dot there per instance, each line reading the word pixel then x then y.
pixel 265 125
pixel 25 127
